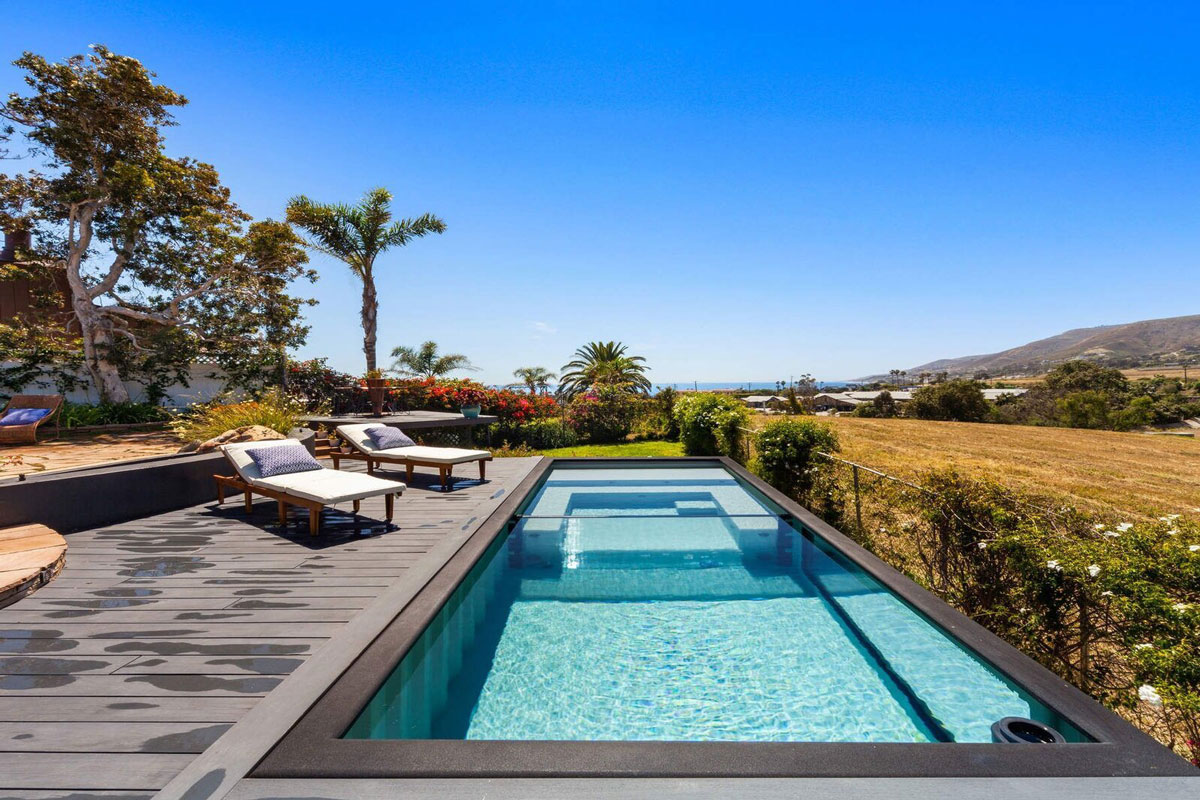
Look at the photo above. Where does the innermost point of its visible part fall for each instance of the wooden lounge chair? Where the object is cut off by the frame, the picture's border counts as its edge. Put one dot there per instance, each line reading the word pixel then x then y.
pixel 27 434
pixel 362 448
pixel 313 490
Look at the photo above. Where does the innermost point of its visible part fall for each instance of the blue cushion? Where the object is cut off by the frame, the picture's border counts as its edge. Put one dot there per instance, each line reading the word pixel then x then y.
pixel 23 416
pixel 282 459
pixel 386 438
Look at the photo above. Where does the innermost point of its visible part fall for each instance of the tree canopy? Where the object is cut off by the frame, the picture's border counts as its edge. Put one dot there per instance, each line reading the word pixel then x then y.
pixel 356 235
pixel 160 266
pixel 603 364
pixel 426 362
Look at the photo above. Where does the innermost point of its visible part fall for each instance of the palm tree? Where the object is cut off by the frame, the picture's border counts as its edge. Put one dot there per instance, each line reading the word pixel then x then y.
pixel 357 235
pixel 424 361
pixel 534 378
pixel 598 363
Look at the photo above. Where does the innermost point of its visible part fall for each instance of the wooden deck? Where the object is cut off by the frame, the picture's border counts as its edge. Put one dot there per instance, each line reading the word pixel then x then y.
pixel 160 634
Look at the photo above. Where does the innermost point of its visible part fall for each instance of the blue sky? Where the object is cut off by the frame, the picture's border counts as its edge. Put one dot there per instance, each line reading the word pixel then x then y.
pixel 738 192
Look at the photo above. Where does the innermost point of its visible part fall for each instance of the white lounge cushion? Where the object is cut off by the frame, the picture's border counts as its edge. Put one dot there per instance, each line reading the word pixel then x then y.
pixel 360 440
pixel 331 486
pixel 434 455
pixel 327 486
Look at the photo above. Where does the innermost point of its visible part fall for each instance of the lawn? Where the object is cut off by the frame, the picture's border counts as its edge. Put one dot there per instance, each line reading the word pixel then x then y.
pixel 626 450
pixel 1110 473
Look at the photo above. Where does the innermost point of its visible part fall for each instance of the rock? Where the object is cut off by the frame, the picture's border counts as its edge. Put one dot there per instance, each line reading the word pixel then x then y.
pixel 246 433
pixel 190 447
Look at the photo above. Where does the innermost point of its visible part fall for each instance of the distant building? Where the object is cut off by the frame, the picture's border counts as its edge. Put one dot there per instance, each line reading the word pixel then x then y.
pixel 848 401
pixel 764 402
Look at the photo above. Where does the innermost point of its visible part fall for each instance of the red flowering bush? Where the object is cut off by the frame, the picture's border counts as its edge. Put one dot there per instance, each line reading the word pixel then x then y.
pixel 452 395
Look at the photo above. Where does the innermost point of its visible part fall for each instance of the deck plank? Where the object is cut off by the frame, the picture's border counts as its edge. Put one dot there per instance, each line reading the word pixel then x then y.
pixel 160 633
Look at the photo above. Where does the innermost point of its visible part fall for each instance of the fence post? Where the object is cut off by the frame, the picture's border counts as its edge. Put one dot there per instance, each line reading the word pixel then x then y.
pixel 857 503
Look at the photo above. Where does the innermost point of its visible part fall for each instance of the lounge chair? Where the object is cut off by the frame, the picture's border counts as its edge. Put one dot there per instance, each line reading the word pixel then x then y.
pixel 313 489
pixel 362 448
pixel 26 432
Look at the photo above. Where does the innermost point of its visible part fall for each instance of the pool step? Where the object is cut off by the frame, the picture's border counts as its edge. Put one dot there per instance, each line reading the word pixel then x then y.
pixel 697 507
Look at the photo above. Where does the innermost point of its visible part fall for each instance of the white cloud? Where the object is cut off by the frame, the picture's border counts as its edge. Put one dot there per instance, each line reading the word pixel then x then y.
pixel 543 329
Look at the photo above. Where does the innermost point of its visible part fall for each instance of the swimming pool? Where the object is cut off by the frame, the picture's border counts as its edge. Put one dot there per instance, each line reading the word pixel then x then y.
pixel 668 603
pixel 680 617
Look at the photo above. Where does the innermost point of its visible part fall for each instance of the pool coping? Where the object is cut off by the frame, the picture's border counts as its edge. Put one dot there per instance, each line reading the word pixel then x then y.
pixel 312 748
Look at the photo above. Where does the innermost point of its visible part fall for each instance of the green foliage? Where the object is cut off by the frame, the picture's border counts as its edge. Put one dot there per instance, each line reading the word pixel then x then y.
pixel 603 414
pixel 78 415
pixel 957 400
pixel 274 410
pixel 882 406
pixel 426 362
pixel 785 454
pixel 603 364
pixel 1085 409
pixel 356 235
pixel 1082 376
pixel 1113 608
pixel 536 434
pixel 535 379
pixel 655 417
pixel 710 424
pixel 162 267
pixel 315 383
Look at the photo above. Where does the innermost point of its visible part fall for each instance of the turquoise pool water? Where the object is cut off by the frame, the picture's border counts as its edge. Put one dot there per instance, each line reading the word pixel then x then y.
pixel 674 604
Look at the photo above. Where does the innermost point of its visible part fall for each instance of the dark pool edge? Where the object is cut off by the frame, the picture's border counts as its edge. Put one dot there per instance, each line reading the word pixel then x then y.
pixel 313 749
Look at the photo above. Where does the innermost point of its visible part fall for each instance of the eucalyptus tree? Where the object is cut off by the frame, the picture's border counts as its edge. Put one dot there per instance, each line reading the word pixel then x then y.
pixel 158 265
pixel 534 379
pixel 603 363
pixel 357 235
pixel 426 362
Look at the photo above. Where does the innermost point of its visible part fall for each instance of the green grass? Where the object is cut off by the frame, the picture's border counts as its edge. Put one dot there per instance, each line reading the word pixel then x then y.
pixel 628 450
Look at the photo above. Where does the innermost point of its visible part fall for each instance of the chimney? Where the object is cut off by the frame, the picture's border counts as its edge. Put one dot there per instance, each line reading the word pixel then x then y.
pixel 13 241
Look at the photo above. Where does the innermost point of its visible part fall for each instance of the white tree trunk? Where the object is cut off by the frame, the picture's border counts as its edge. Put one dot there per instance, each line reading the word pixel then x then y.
pixel 370 314
pixel 97 339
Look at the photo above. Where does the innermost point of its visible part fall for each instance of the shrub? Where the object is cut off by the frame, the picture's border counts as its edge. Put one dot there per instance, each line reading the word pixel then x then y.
pixel 537 434
pixel 603 414
pixel 316 383
pixel 882 406
pixel 655 418
pixel 448 395
pixel 710 424
pixel 78 415
pixel 274 410
pixel 786 454
pixel 958 401
pixel 1086 409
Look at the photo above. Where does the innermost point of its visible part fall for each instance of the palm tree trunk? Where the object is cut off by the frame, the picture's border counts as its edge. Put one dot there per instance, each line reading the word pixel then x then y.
pixel 370 313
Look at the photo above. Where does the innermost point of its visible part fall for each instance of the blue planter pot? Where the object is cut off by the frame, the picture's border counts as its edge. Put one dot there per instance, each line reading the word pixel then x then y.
pixel 470 412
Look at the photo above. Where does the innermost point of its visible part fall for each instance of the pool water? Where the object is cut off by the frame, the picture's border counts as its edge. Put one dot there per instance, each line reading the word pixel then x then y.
pixel 674 603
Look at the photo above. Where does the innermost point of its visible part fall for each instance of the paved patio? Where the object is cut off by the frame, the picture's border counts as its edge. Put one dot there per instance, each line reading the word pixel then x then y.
pixel 161 633
pixel 85 449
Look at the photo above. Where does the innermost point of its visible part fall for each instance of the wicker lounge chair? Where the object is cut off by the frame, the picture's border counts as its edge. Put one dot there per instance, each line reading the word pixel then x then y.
pixel 362 448
pixel 312 490
pixel 27 434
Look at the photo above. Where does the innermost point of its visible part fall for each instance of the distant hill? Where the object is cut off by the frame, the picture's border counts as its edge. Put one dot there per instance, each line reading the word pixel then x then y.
pixel 1134 344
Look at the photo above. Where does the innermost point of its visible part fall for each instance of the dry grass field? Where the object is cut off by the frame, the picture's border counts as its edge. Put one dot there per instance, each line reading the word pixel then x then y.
pixel 1117 474
pixel 1193 374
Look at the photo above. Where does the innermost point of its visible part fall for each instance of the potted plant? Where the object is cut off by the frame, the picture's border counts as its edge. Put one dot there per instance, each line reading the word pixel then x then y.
pixel 376 390
pixel 470 401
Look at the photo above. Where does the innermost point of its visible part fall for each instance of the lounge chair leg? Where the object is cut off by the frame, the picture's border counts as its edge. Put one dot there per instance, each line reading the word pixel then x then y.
pixel 220 493
pixel 408 473
pixel 389 503
pixel 445 478
pixel 370 467
pixel 249 503
pixel 314 520
pixel 482 470
pixel 337 462
pixel 283 513
pixel 356 503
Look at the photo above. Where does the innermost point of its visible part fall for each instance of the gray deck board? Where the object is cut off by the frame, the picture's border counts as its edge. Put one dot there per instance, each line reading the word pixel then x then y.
pixel 161 633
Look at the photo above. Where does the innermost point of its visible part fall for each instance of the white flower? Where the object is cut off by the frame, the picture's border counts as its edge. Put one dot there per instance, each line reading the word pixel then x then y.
pixel 1143 646
pixel 1124 526
pixel 1094 570
pixel 1181 606
pixel 1106 594
pixel 983 545
pixel 1146 692
pixel 1172 517
pixel 1052 564
pixel 1098 526
pixel 1194 547
pixel 1111 534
